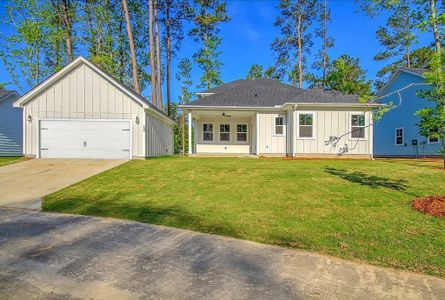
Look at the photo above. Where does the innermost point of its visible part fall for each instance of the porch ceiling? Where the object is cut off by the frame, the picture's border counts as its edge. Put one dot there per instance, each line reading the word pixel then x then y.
pixel 196 114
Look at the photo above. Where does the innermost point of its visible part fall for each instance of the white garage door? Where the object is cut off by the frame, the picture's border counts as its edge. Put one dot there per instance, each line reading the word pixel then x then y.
pixel 103 139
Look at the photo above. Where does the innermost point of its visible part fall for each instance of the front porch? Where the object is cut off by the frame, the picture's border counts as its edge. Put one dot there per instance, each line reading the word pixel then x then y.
pixel 220 132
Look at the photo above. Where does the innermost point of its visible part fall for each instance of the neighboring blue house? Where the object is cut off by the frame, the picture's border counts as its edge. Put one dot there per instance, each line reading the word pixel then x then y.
pixel 11 125
pixel 397 134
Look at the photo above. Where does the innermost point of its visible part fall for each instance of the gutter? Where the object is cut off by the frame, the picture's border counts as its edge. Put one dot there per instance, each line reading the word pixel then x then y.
pixel 281 107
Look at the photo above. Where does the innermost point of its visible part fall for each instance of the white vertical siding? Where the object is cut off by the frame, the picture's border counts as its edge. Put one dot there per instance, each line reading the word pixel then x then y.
pixel 159 137
pixel 83 94
pixel 10 128
pixel 333 123
pixel 269 143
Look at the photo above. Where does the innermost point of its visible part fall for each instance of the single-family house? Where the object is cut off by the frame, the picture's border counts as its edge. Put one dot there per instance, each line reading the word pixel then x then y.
pixel 397 133
pixel 83 112
pixel 10 124
pixel 269 118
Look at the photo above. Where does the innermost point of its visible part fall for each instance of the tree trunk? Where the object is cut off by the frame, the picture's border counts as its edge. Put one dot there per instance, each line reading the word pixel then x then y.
pixel 158 56
pixel 67 25
pixel 152 54
pixel 167 29
pixel 300 53
pixel 324 44
pixel 134 65
pixel 434 25
pixel 408 57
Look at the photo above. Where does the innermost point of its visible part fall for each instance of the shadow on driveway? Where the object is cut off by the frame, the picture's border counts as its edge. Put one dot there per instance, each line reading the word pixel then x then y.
pixel 63 256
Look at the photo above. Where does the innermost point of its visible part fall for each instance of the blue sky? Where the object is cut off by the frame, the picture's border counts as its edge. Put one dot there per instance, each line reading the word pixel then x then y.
pixel 249 33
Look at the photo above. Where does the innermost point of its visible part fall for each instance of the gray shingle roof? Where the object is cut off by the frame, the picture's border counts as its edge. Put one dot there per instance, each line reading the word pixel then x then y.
pixel 267 93
pixel 4 93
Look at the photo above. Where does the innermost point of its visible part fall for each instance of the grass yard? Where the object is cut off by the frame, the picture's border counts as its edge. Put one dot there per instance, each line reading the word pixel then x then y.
pixel 7 160
pixel 354 209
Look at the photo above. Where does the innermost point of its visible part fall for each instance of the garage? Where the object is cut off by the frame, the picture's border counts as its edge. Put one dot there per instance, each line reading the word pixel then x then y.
pixel 102 139
pixel 82 112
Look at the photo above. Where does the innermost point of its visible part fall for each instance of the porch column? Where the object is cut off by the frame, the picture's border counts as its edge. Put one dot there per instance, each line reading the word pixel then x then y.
pixel 190 132
pixel 294 131
pixel 257 134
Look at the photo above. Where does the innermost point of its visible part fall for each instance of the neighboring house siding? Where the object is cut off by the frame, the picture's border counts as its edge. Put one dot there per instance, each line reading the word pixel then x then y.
pixel 83 94
pixel 269 142
pixel 11 127
pixel 329 123
pixel 159 137
pixel 403 117
pixel 230 147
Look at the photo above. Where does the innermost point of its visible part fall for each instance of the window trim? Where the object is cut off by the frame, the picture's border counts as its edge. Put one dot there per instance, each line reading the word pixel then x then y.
pixel 213 132
pixel 230 132
pixel 429 137
pixel 314 118
pixel 247 133
pixel 403 136
pixel 350 126
pixel 275 126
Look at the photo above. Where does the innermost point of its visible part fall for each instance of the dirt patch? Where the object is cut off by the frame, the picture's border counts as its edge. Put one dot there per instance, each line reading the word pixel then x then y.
pixel 433 205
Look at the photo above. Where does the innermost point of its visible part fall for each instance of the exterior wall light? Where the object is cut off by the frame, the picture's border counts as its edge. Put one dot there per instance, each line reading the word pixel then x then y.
pixel 137 120
pixel 29 118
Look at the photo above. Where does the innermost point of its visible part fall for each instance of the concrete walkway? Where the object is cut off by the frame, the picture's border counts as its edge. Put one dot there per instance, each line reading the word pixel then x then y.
pixel 24 184
pixel 64 256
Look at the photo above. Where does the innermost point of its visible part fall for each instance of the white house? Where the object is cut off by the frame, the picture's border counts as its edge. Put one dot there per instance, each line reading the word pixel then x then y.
pixel 266 117
pixel 82 112
pixel 10 125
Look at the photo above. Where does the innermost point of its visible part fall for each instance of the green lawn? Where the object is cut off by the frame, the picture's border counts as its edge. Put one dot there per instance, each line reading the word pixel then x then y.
pixel 354 209
pixel 7 160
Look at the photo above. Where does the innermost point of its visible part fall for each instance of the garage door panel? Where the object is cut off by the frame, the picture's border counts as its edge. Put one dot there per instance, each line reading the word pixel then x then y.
pixel 85 139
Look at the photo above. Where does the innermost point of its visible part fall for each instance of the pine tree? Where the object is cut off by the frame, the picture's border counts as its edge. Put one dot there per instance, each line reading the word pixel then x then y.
pixel 255 71
pixel 134 65
pixel 208 15
pixel 294 21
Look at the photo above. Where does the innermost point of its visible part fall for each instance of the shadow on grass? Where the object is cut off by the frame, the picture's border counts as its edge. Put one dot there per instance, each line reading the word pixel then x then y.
pixel 117 206
pixel 367 180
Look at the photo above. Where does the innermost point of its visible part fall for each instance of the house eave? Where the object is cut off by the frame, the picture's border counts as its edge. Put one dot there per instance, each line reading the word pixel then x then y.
pixel 394 77
pixel 285 106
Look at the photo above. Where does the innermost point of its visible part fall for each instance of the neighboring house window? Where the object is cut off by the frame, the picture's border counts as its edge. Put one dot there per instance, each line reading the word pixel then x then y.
pixel 207 132
pixel 399 136
pixel 431 138
pixel 306 125
pixel 279 125
pixel 358 126
pixel 241 132
pixel 224 132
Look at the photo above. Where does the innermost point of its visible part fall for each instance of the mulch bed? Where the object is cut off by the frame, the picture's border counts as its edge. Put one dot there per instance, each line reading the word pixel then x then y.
pixel 433 205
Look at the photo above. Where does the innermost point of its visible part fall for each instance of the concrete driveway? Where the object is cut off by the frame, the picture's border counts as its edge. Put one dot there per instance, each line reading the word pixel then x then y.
pixel 24 184
pixel 55 256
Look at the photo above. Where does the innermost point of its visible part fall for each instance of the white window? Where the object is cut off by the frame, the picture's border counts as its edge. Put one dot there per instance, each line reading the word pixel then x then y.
pixel 432 137
pixel 399 136
pixel 306 125
pixel 241 132
pixel 279 125
pixel 224 132
pixel 207 132
pixel 358 126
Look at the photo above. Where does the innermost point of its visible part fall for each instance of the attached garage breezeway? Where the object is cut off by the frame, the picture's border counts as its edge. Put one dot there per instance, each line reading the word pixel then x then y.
pixel 82 112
